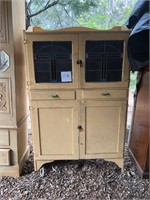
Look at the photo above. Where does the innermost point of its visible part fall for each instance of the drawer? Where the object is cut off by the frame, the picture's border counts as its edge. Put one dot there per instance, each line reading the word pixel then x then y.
pixel 4 137
pixel 104 94
pixel 52 95
pixel 4 156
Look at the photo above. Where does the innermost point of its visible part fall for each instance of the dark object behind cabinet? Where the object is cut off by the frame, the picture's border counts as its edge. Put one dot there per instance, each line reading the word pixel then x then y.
pixel 139 143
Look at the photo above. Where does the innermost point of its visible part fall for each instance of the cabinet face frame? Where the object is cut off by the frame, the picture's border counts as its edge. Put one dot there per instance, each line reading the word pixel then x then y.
pixel 30 38
pixel 120 110
pixel 37 126
pixel 103 36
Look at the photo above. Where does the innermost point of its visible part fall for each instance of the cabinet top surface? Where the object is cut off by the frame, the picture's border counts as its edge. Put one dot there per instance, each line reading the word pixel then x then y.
pixel 75 30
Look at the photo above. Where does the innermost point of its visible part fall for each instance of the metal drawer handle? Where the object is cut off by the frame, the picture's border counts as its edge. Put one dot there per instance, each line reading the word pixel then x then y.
pixel 105 94
pixel 53 95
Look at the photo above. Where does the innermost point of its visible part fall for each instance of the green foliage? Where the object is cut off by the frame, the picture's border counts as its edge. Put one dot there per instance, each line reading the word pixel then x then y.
pixel 63 14
pixel 133 77
pixel 100 14
pixel 78 7
pixel 107 14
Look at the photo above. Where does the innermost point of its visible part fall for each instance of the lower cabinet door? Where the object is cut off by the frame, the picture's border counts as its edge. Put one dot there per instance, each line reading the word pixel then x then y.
pixel 54 127
pixel 103 127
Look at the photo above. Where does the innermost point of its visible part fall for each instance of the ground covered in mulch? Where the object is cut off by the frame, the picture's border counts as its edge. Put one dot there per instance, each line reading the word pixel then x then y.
pixel 74 180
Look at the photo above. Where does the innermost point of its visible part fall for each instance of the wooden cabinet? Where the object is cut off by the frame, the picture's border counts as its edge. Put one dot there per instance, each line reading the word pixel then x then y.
pixel 139 141
pixel 78 86
pixel 13 102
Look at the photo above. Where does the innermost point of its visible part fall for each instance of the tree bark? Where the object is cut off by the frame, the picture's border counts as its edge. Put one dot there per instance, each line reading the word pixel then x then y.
pixel 29 15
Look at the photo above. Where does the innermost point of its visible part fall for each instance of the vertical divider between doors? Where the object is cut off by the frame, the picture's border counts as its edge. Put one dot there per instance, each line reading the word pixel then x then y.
pixel 83 131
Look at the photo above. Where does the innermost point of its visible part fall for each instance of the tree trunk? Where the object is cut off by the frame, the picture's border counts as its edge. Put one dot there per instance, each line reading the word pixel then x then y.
pixel 27 15
pixel 28 22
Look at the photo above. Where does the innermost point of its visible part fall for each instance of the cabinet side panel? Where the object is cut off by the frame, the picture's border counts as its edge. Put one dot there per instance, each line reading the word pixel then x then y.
pixel 22 139
pixel 18 9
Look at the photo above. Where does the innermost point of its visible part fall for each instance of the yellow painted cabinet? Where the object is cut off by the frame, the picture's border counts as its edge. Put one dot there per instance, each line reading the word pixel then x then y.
pixel 78 87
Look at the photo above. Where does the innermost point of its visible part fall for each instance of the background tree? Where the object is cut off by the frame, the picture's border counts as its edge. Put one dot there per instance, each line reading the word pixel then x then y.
pixel 101 14
pixel 107 14
pixel 55 13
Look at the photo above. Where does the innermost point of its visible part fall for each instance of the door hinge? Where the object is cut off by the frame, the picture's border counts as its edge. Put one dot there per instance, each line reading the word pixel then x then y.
pixel 26 41
pixel 29 83
pixel 31 107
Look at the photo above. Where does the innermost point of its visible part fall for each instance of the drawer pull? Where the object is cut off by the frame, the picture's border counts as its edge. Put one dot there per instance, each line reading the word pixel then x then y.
pixel 105 94
pixel 53 95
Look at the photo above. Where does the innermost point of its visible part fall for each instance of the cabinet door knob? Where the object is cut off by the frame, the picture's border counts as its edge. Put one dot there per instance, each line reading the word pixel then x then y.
pixel 79 62
pixel 79 127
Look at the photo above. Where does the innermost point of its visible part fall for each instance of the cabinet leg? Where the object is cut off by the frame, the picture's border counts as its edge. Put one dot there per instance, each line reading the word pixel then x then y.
pixel 119 162
pixel 38 163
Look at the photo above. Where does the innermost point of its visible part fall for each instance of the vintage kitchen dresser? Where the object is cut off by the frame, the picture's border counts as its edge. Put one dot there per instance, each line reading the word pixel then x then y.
pixel 78 86
pixel 13 101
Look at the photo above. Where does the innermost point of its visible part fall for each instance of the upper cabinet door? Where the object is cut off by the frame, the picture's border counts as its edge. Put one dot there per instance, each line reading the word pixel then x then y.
pixel 104 60
pixel 52 60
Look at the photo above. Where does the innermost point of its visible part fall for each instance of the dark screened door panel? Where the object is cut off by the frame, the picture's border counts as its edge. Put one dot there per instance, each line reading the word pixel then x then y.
pixel 104 61
pixel 51 60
